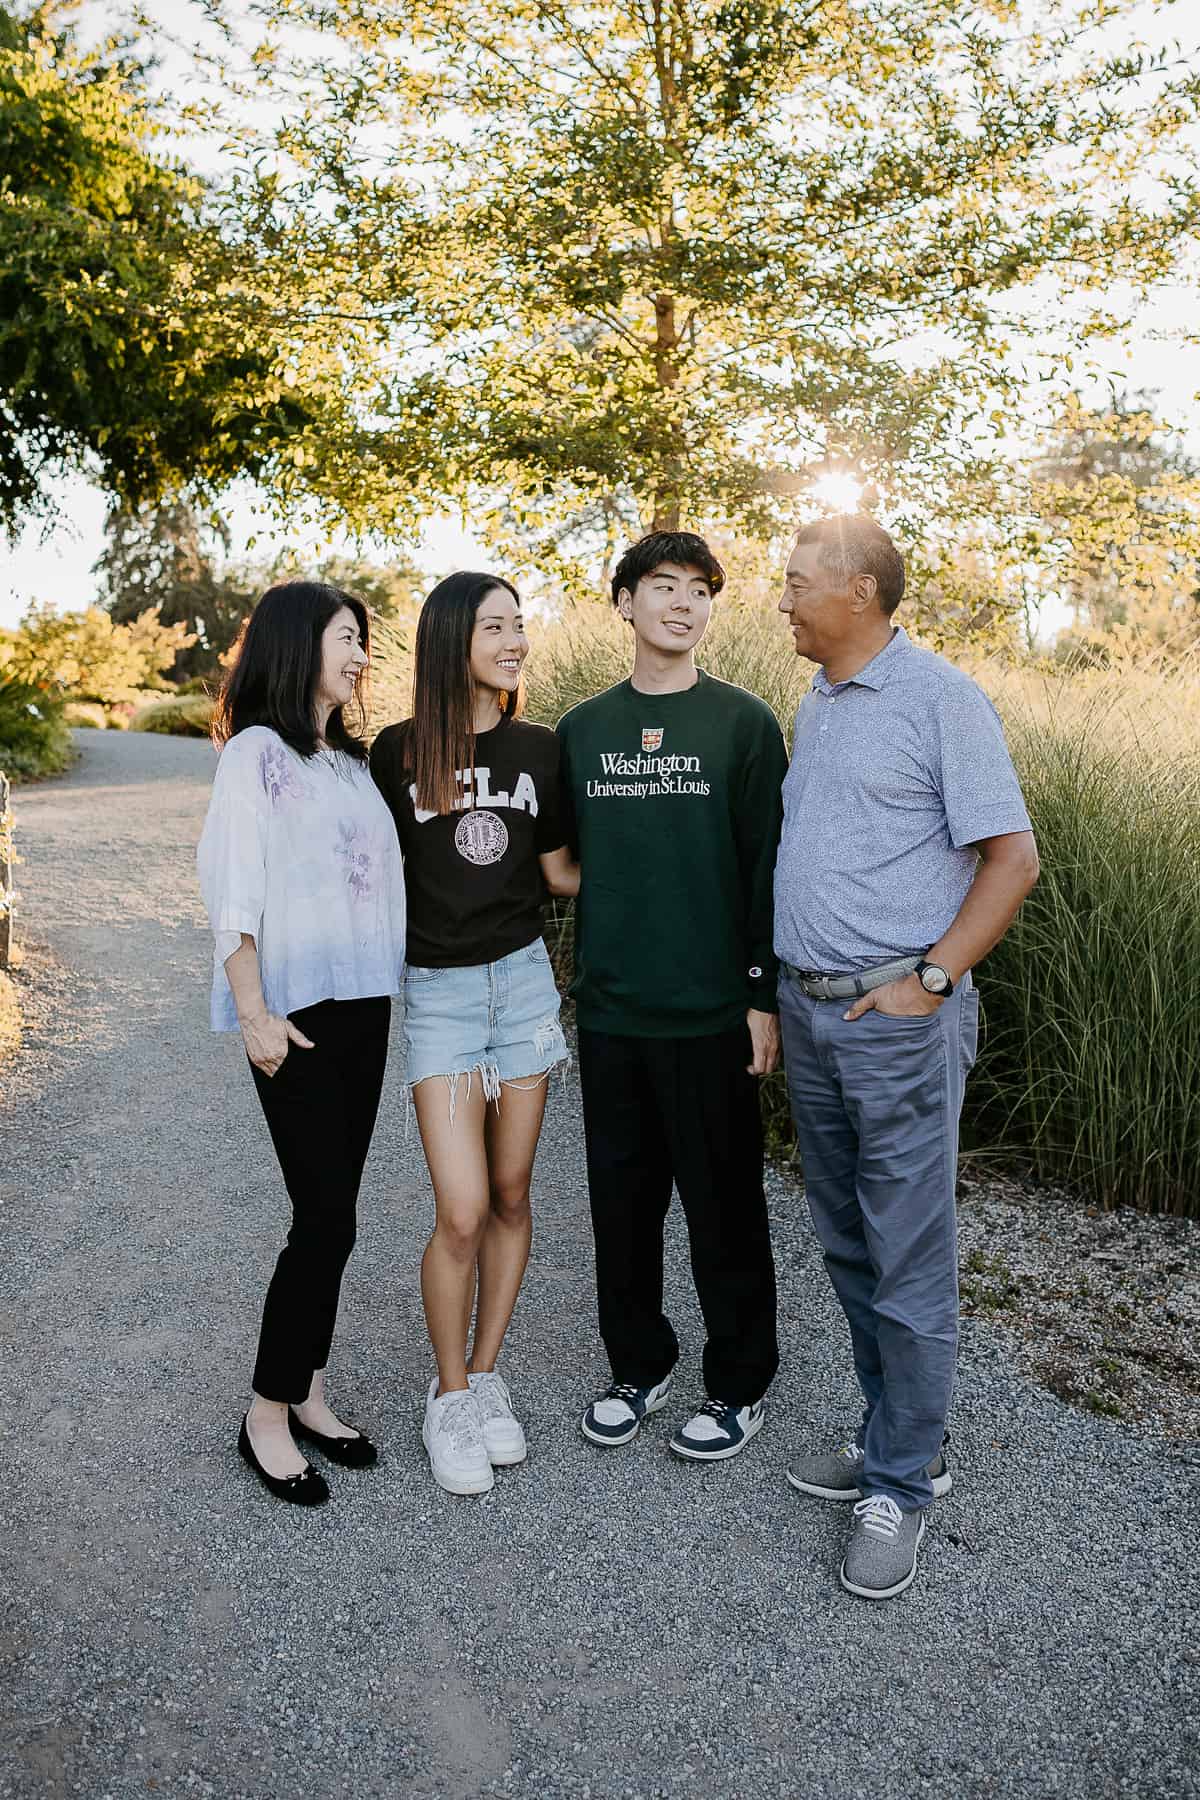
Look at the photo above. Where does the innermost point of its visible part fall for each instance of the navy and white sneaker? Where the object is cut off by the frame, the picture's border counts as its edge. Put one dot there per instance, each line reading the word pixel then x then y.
pixel 616 1415
pixel 718 1431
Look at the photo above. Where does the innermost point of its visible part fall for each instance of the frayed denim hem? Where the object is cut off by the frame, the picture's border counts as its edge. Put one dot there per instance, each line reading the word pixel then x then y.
pixel 492 1081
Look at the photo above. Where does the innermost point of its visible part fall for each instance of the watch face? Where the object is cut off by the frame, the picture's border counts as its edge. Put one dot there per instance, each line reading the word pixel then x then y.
pixel 933 979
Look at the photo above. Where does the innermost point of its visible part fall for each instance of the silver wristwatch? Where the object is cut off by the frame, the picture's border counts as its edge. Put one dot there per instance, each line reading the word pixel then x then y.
pixel 934 979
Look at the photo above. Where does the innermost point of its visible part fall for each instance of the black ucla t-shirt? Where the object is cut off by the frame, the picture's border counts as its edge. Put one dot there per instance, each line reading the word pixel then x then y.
pixel 472 879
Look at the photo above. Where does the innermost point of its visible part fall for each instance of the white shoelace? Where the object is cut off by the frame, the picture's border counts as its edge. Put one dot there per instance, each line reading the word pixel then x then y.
pixel 852 1452
pixel 880 1515
pixel 458 1421
pixel 715 1409
pixel 489 1391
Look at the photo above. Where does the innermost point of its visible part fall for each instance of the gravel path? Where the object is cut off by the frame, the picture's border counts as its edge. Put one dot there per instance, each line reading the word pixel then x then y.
pixel 603 1624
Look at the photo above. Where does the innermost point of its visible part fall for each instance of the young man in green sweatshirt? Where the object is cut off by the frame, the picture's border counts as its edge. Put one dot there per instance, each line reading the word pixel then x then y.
pixel 673 779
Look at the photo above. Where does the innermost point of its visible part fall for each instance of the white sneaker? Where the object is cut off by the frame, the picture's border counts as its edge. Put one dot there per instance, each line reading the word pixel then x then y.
pixel 718 1431
pixel 616 1415
pixel 453 1435
pixel 503 1438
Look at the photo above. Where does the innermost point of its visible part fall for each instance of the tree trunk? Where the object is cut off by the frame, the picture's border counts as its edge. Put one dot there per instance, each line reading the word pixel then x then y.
pixel 666 374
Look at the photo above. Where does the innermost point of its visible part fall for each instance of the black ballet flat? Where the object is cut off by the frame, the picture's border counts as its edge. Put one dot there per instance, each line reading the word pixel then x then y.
pixel 306 1489
pixel 352 1452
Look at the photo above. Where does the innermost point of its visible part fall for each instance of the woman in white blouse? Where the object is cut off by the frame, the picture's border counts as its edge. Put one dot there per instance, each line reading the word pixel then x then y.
pixel 301 874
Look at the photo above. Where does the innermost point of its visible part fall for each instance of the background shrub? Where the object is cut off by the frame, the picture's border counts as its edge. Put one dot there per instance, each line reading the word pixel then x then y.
pixel 34 739
pixel 88 656
pixel 188 716
pixel 85 715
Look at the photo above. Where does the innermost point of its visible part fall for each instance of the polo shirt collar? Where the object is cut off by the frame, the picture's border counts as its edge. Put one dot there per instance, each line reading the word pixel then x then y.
pixel 877 672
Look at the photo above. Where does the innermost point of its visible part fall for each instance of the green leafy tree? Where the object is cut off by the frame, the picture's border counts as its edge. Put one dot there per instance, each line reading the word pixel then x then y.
pixel 392 590
pixel 659 260
pixel 87 656
pixel 1102 520
pixel 1117 500
pixel 131 334
pixel 168 558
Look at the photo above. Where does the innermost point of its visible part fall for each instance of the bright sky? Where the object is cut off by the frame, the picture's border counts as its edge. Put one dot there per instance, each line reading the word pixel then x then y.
pixel 55 563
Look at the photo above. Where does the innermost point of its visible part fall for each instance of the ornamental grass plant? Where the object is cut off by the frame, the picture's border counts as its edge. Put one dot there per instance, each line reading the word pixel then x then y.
pixel 1089 1069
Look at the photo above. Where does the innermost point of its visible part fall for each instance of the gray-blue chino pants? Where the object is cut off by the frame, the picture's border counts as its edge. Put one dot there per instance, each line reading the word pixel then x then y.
pixel 876 1103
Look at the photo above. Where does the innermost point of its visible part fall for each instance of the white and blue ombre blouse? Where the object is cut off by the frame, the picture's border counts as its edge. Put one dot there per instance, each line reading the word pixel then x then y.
pixel 302 855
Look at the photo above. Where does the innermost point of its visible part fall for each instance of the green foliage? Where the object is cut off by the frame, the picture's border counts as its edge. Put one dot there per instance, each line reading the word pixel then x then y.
pixel 190 715
pixel 169 558
pixel 172 558
pixel 1104 517
pixel 392 591
pixel 86 656
pixel 617 264
pixel 131 332
pixel 34 740
pixel 1119 503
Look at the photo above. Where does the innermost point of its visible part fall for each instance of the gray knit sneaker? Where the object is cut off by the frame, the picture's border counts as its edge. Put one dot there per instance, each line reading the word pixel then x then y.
pixel 832 1476
pixel 836 1474
pixel 881 1557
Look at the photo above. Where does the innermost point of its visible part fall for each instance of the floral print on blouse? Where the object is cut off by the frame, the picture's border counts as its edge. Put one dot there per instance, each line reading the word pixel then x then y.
pixel 301 854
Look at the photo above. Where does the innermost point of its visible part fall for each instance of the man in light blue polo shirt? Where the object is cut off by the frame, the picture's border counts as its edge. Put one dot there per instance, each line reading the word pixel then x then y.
pixel 906 853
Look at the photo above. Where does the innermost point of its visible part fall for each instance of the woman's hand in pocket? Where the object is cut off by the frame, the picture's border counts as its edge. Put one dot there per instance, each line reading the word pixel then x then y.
pixel 268 1038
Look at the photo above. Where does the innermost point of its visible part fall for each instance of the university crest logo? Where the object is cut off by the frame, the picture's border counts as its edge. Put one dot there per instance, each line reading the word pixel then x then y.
pixel 652 737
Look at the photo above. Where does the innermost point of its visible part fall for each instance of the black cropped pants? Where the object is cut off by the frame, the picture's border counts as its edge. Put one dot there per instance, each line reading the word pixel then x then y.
pixel 320 1108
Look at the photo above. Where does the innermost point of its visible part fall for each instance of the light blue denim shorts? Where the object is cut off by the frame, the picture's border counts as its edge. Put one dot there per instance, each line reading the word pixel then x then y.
pixel 498 1021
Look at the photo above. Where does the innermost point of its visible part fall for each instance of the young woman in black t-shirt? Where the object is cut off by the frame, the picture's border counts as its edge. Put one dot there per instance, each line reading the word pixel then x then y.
pixel 475 795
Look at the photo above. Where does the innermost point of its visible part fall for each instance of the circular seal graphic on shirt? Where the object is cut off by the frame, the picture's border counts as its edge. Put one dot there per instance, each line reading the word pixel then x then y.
pixel 481 837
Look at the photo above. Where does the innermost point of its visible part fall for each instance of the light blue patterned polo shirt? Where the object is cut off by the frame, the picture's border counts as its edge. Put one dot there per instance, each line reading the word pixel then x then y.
pixel 895 774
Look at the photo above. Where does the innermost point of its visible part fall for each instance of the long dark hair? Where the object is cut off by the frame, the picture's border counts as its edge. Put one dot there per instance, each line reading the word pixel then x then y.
pixel 274 678
pixel 442 737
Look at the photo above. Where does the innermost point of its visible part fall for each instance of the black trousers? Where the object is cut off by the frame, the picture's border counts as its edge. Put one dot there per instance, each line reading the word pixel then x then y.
pixel 681 1109
pixel 320 1109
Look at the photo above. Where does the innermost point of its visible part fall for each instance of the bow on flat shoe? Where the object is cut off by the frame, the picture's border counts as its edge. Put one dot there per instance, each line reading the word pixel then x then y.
pixel 306 1489
pixel 352 1452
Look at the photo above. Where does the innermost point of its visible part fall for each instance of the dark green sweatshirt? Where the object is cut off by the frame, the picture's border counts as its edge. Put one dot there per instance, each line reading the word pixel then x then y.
pixel 674 806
